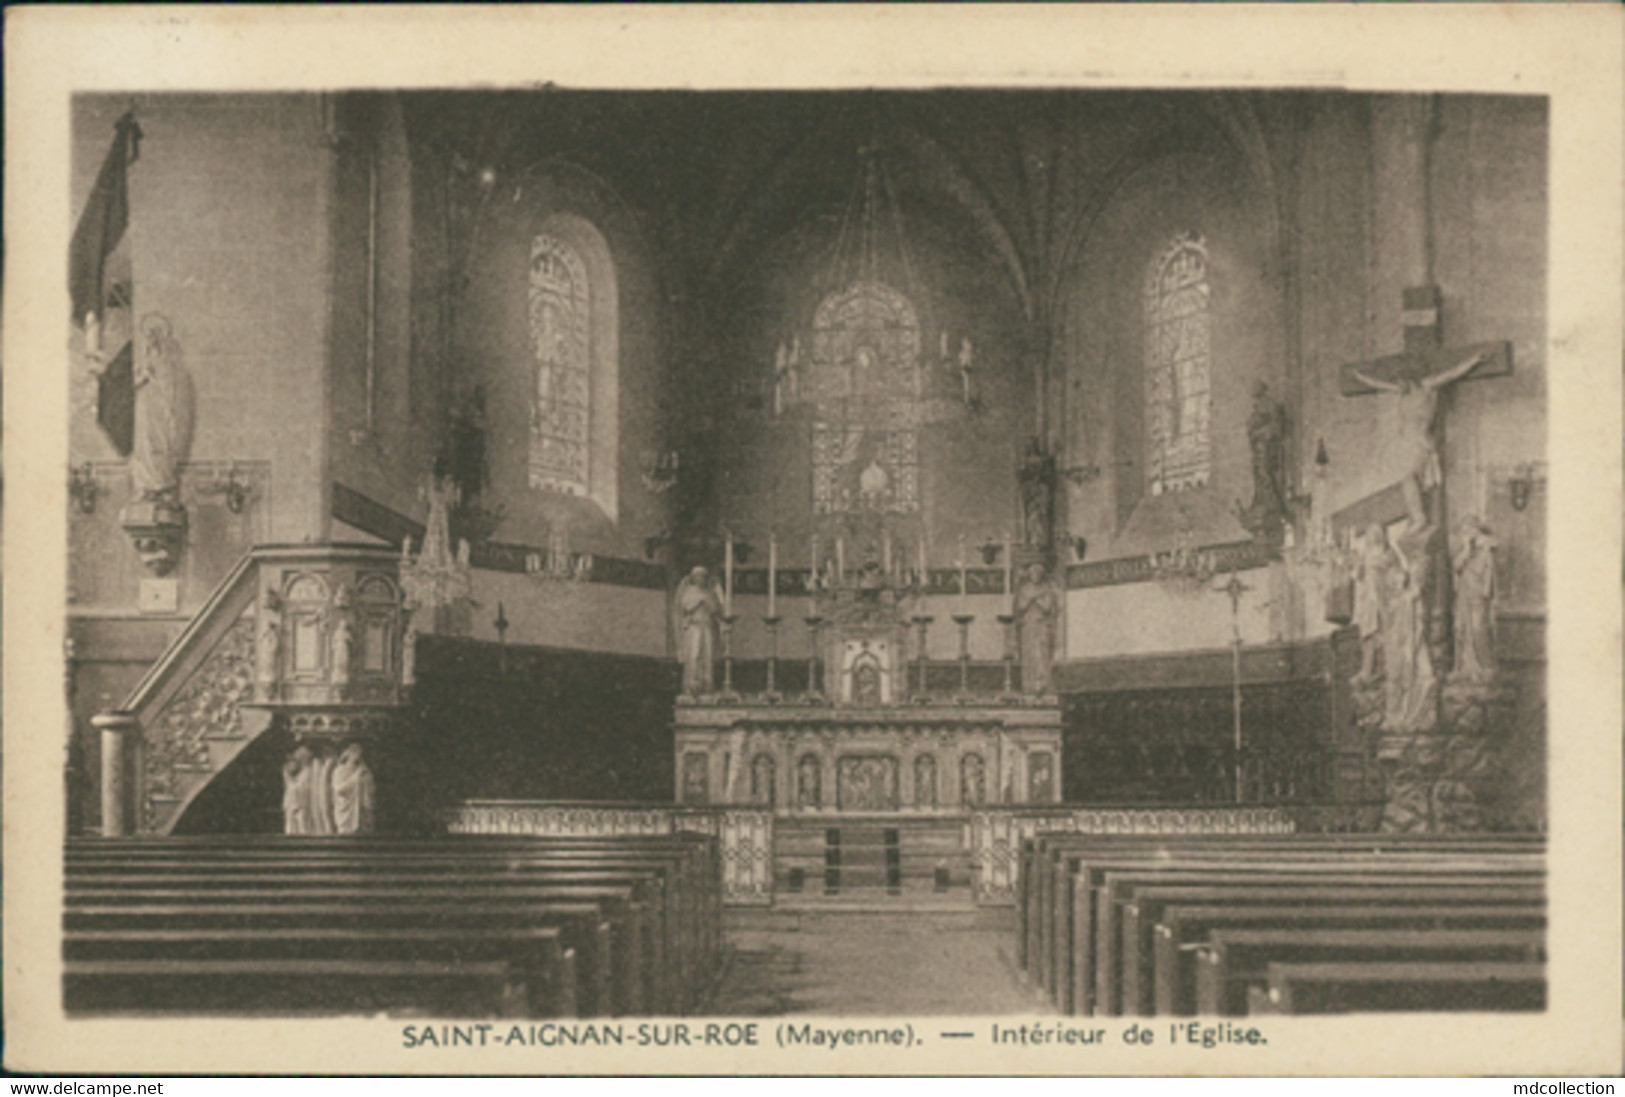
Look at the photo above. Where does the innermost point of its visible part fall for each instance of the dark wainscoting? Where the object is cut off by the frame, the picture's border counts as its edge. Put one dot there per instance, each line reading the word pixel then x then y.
pixel 532 723
pixel 1161 728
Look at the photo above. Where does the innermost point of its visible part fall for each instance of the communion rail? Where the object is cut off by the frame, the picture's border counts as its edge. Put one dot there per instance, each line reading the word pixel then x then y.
pixel 993 836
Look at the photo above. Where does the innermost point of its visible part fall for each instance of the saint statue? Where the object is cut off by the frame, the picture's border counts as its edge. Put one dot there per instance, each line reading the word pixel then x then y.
pixel 925 781
pixel 972 780
pixel 306 807
pixel 1410 692
pixel 1371 555
pixel 352 793
pixel 343 648
pixel 1037 479
pixel 809 781
pixel 1417 411
pixel 1036 607
pixel 1474 563
pixel 698 608
pixel 1266 437
pixel 268 657
pixel 163 412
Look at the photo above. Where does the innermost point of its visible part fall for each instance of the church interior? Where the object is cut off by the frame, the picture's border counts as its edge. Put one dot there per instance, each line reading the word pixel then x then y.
pixel 672 545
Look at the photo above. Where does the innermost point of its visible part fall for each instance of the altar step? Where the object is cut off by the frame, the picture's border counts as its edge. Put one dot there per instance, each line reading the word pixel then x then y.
pixel 871 860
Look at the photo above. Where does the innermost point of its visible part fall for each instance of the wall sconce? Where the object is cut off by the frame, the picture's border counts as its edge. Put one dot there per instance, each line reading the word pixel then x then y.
pixel 660 470
pixel 235 491
pixel 1083 474
pixel 83 489
pixel 1520 484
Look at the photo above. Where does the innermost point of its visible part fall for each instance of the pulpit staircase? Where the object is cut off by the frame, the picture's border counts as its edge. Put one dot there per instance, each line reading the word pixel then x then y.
pixel 871 862
pixel 199 706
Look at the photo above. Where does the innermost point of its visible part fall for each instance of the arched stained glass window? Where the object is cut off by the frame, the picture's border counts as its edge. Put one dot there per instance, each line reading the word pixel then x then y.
pixel 1178 367
pixel 561 347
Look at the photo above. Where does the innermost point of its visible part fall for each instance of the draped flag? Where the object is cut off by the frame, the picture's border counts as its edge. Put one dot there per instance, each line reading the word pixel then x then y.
pixel 99 283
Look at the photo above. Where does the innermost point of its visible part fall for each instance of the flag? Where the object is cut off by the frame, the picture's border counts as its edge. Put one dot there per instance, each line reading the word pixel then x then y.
pixel 99 284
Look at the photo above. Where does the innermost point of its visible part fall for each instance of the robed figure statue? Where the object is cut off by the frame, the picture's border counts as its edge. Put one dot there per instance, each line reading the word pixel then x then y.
pixel 698 609
pixel 1037 606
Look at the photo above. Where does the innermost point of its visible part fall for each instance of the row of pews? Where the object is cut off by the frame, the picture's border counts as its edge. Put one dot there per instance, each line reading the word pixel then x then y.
pixel 475 926
pixel 1231 926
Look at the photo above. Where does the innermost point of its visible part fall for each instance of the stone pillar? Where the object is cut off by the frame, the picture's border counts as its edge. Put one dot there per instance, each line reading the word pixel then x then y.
pixel 116 729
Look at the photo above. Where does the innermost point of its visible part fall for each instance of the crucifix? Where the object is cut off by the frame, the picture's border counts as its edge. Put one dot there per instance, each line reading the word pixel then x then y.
pixel 1417 380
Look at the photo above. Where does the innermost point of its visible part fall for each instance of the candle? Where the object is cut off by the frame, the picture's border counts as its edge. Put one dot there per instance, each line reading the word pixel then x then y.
pixel 925 574
pixel 812 576
pixel 944 351
pixel 772 575
pixel 840 559
pixel 885 551
pixel 1010 572
pixel 962 574
pixel 728 575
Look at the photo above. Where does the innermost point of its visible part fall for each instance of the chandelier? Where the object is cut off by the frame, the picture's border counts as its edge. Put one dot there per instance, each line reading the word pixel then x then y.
pixel 864 339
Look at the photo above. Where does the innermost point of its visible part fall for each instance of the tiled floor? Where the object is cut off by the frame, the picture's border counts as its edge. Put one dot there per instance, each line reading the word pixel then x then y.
pixel 859 964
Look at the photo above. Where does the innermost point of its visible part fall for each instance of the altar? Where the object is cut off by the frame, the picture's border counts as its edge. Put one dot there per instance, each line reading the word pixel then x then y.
pixel 868 737
pixel 930 758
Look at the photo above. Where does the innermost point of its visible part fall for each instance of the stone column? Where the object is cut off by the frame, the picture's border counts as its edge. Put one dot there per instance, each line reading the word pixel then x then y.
pixel 116 729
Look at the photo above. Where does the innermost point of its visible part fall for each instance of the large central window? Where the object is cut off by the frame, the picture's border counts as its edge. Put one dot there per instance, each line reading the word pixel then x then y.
pixel 1178 367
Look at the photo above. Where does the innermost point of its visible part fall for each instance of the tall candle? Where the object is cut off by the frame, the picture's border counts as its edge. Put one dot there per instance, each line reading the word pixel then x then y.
pixel 962 574
pixel 885 551
pixel 1010 572
pixel 925 573
pixel 728 575
pixel 812 576
pixel 840 559
pixel 772 575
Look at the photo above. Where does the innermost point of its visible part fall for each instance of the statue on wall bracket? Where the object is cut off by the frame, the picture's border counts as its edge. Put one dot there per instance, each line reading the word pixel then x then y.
pixel 1266 516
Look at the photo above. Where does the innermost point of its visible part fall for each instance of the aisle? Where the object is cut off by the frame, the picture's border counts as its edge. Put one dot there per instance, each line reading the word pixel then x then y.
pixel 863 964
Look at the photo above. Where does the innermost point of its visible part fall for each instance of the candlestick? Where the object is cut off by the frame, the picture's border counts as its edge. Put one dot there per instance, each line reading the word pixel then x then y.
pixel 728 695
pixel 962 574
pixel 815 695
pixel 963 620
pixel 772 695
pixel 840 560
pixel 885 551
pixel 921 624
pixel 772 575
pixel 728 574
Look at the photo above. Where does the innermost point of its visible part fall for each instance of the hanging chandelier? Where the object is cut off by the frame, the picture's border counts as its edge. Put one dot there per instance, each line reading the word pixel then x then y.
pixel 864 341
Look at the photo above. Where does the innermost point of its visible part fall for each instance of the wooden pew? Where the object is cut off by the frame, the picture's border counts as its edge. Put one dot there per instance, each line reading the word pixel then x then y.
pixel 251 882
pixel 1102 901
pixel 1099 890
pixel 1054 861
pixel 1371 987
pixel 630 904
pixel 457 989
pixel 612 974
pixel 1163 982
pixel 688 864
pixel 1232 960
pixel 1044 866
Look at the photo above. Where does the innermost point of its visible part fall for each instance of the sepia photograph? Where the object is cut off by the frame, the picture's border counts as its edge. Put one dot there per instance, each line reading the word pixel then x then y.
pixel 630 570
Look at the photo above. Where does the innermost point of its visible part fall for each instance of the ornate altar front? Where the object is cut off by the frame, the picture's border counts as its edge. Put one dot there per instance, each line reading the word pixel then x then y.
pixel 870 739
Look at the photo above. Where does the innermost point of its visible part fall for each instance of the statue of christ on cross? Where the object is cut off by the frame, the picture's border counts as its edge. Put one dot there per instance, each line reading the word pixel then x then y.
pixel 1418 410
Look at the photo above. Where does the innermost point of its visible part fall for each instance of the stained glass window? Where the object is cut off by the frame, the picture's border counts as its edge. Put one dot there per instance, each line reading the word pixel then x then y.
pixel 560 327
pixel 1178 365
